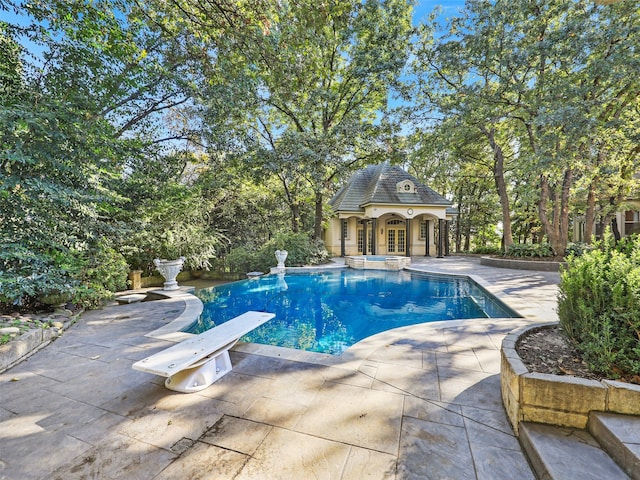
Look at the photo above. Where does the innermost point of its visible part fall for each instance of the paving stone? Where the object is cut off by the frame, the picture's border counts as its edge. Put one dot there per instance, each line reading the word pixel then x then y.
pixel 115 458
pixel 402 355
pixel 290 455
pixel 236 392
pixel 434 450
pixel 369 464
pixel 619 435
pixel 298 385
pixel 203 461
pixel 169 420
pixel 488 358
pixel 104 425
pixel 356 416
pixel 458 361
pixel 497 463
pixel 237 434
pixel 432 411
pixel 23 453
pixel 418 382
pixel 349 377
pixel 344 417
pixel 485 392
pixel 494 419
pixel 278 413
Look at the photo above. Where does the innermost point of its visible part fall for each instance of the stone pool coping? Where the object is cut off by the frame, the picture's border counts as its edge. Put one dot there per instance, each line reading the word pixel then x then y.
pixel 560 400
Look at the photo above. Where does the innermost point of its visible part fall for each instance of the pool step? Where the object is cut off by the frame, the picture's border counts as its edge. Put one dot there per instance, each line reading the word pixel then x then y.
pixel 619 435
pixel 559 453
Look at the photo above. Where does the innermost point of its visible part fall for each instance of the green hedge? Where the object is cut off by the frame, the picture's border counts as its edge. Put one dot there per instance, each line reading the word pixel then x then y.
pixel 487 250
pixel 529 250
pixel 599 306
pixel 301 249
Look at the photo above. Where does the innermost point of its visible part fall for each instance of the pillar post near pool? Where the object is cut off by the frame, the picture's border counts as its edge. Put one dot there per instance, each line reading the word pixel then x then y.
pixel 440 237
pixel 428 240
pixel 374 231
pixel 407 250
pixel 364 236
pixel 446 237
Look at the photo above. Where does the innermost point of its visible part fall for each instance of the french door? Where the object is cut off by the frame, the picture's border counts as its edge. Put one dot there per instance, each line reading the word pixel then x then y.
pixel 396 240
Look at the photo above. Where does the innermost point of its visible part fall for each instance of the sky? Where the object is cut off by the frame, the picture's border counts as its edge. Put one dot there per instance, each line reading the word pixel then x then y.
pixel 423 7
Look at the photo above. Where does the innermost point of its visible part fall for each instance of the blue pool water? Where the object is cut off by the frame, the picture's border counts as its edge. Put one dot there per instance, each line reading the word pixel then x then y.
pixel 329 311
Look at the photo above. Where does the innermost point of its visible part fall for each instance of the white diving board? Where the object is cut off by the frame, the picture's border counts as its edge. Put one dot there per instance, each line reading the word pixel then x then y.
pixel 194 364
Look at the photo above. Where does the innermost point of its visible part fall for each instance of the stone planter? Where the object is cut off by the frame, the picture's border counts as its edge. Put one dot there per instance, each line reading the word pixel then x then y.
pixel 521 264
pixel 560 400
pixel 169 269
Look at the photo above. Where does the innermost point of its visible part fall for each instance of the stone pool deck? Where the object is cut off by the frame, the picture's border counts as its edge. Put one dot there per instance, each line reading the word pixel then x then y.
pixel 415 402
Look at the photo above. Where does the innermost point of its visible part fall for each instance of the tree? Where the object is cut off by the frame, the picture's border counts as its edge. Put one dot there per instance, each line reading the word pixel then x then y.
pixel 459 76
pixel 76 121
pixel 315 79
pixel 541 79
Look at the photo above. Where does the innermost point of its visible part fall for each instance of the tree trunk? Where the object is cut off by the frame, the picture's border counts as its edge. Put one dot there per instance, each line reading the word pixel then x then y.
pixel 295 218
pixel 563 226
pixel 615 230
pixel 498 175
pixel 317 226
pixel 556 229
pixel 590 215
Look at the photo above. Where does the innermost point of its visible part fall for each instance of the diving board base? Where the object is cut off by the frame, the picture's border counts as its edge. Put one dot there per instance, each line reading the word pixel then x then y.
pixel 202 376
pixel 196 363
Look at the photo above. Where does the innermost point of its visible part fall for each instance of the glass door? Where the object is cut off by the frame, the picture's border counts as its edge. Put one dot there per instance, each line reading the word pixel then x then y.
pixel 396 240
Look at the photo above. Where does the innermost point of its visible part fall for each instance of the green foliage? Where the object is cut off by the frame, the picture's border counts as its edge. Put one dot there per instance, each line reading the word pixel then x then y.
pixel 301 250
pixel 578 248
pixel 32 279
pixel 599 306
pixel 550 89
pixel 524 250
pixel 169 219
pixel 311 89
pixel 28 279
pixel 104 272
pixel 488 250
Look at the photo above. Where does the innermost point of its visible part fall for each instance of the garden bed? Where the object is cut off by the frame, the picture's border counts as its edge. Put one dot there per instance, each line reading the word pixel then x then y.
pixel 563 400
pixel 35 332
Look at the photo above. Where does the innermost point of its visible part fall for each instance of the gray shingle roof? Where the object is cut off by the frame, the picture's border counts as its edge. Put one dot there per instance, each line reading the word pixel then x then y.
pixel 376 184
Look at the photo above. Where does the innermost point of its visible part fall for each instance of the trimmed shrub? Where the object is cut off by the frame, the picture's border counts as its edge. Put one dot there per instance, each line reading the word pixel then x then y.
pixel 488 250
pixel 599 306
pixel 529 250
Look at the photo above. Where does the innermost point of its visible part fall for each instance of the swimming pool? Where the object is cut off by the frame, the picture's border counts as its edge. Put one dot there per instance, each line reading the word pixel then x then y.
pixel 329 311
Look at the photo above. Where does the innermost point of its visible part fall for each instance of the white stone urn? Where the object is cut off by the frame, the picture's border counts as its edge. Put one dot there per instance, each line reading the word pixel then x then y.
pixel 169 269
pixel 281 256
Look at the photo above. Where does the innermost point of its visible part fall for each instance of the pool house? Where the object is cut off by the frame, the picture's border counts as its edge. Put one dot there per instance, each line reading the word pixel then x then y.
pixel 383 210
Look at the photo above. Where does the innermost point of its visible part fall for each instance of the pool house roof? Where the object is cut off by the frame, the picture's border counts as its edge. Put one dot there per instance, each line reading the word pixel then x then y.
pixel 384 184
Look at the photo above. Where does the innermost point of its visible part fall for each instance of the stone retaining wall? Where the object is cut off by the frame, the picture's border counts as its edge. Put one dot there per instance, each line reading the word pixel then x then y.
pixel 30 342
pixel 518 264
pixel 557 399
